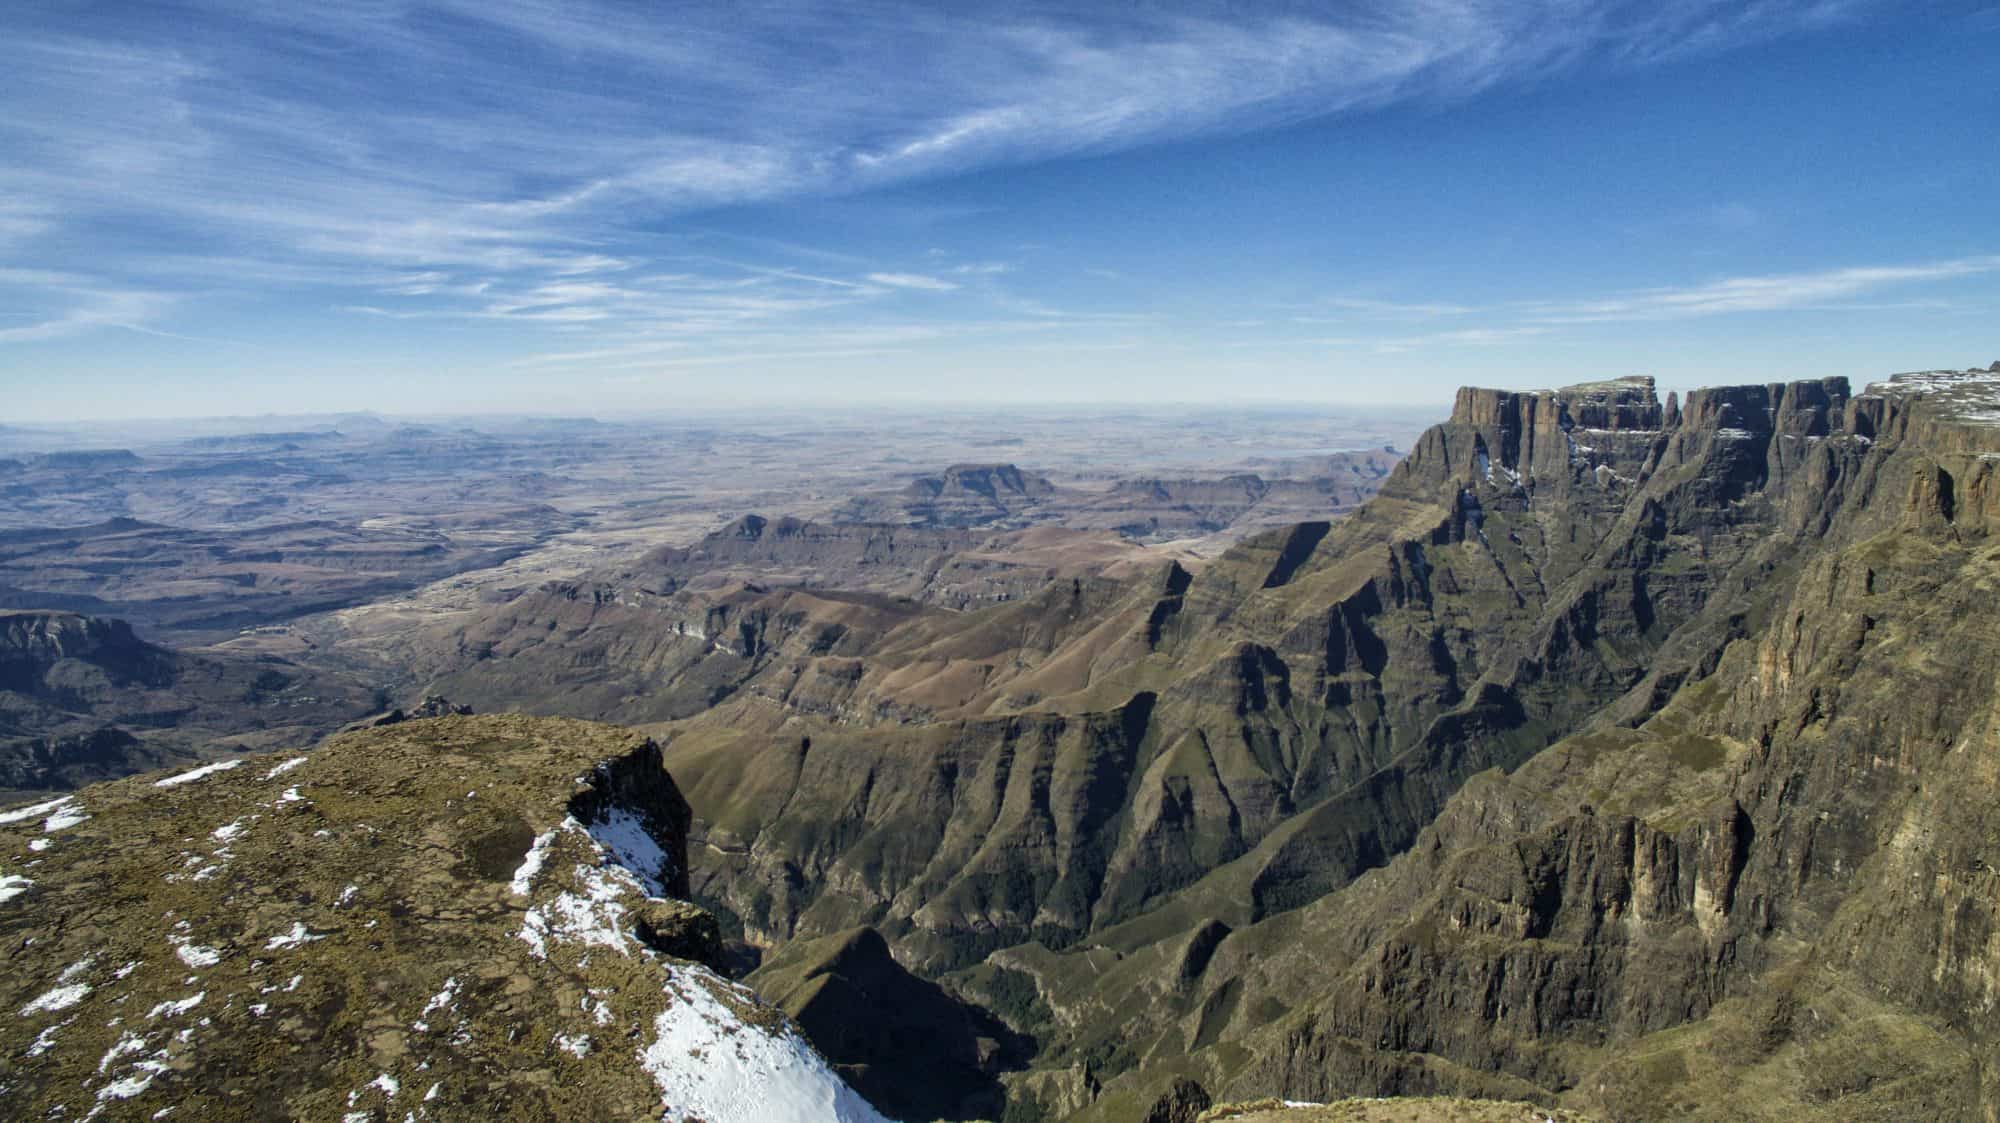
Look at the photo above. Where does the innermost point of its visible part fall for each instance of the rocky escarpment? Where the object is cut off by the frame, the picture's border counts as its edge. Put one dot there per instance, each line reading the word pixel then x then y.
pixel 1223 745
pixel 1753 889
pixel 1235 743
pixel 1226 756
pixel 466 917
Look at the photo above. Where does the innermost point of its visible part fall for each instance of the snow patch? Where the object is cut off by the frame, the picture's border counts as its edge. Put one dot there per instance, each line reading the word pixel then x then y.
pixel 124 1088
pixel 593 917
pixel 197 773
pixel 57 998
pixel 708 1063
pixel 45 1040
pixel 64 818
pixel 35 811
pixel 56 814
pixel 442 1000
pixel 228 832
pixel 297 937
pixel 13 885
pixel 193 954
pixel 531 864
pixel 575 1044
pixel 287 766
pixel 176 1009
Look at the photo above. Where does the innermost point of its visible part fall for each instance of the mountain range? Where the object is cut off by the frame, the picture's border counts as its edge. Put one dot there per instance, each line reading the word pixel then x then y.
pixel 1624 756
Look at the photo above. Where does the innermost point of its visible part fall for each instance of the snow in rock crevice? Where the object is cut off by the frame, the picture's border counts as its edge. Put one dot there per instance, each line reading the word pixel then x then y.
pixel 623 835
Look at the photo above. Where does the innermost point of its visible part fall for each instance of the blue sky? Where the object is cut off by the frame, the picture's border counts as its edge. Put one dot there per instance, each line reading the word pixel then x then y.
pixel 238 207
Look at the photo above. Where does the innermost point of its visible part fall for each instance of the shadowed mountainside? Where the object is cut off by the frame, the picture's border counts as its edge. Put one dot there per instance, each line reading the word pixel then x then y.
pixel 85 699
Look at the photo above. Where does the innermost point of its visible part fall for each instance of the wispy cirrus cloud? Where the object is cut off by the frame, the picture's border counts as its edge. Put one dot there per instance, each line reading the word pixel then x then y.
pixel 527 160
pixel 1844 288
pixel 1770 293
pixel 913 281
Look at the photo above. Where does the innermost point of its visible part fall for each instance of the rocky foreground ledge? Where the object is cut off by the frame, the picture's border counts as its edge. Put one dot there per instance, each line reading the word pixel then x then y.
pixel 468 917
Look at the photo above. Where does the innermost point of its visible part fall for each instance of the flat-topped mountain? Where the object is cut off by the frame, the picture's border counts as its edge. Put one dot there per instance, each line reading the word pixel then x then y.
pixel 996 483
pixel 450 919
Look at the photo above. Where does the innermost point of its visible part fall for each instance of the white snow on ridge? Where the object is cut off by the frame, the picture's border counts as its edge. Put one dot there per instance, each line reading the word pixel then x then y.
pixel 593 918
pixel 13 885
pixel 197 773
pixel 709 1064
pixel 707 1061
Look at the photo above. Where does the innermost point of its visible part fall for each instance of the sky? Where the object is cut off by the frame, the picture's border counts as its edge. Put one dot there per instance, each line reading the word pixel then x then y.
pixel 239 207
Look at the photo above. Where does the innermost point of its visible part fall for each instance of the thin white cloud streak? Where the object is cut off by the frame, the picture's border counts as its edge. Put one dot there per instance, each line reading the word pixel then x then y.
pixel 1821 290
pixel 1773 293
pixel 912 281
pixel 1391 309
pixel 90 309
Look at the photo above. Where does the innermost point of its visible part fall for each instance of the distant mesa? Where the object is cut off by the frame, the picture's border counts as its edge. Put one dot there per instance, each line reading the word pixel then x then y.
pixel 85 459
pixel 988 481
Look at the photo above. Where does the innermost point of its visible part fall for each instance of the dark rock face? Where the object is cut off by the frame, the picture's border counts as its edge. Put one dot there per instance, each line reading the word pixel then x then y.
pixel 1182 1103
pixel 34 644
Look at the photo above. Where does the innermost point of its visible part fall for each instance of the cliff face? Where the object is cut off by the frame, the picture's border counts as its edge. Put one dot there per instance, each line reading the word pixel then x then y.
pixel 465 917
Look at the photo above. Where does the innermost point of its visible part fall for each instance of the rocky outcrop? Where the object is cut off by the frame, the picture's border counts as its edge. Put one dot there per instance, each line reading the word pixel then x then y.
pixel 440 919
pixel 34 647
